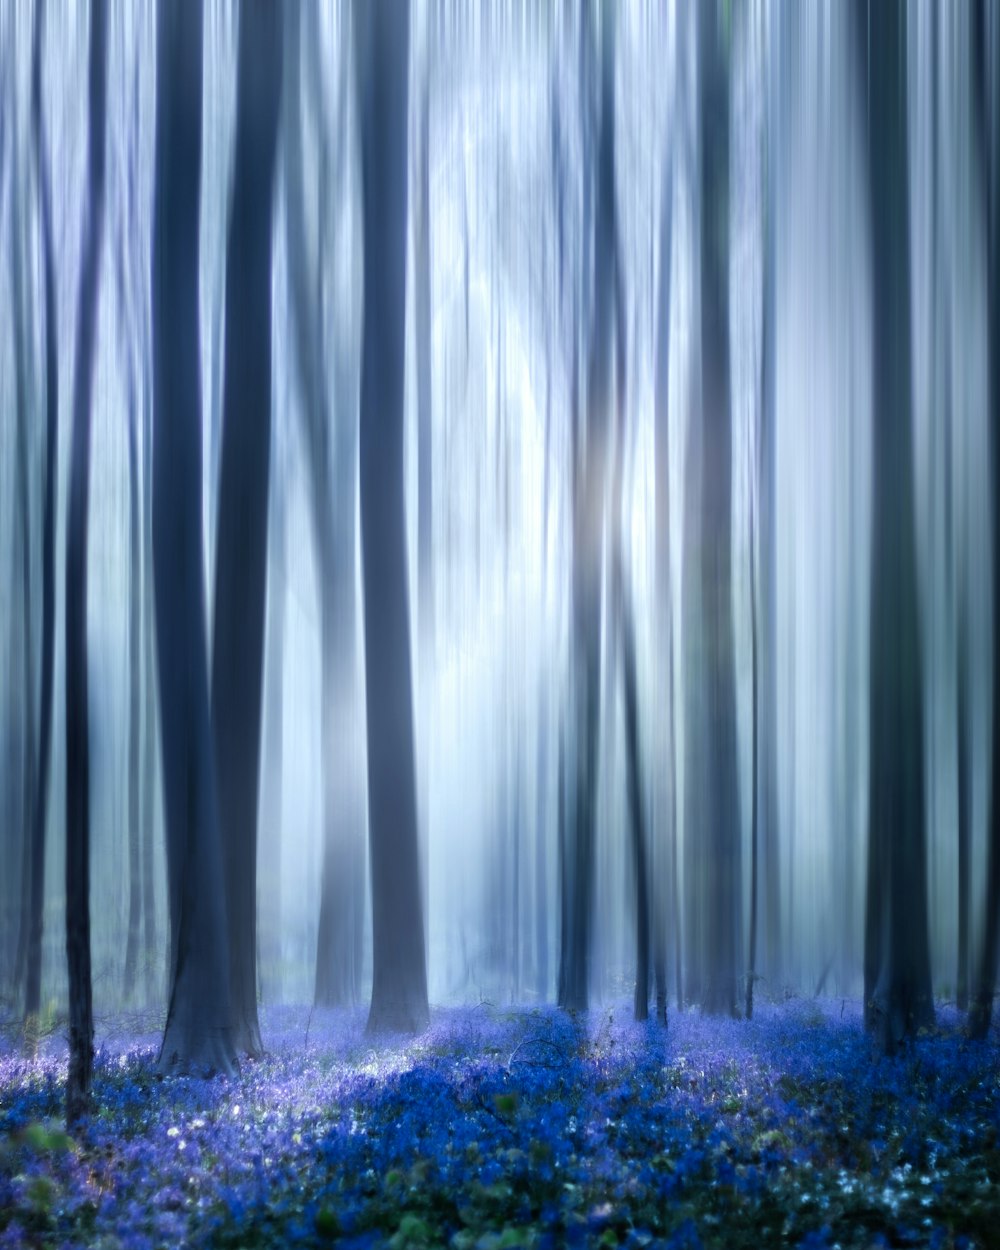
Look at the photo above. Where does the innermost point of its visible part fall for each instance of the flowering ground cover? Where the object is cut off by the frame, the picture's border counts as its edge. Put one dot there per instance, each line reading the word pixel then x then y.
pixel 518 1128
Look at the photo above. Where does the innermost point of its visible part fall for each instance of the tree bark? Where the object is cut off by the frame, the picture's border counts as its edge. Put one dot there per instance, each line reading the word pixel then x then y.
pixel 81 1017
pixel 898 998
pixel 399 987
pixel 333 485
pixel 241 544
pixel 722 898
pixel 988 127
pixel 33 980
pixel 198 1036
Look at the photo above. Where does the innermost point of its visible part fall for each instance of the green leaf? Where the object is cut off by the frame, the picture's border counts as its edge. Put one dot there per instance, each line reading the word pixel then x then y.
pixel 327 1224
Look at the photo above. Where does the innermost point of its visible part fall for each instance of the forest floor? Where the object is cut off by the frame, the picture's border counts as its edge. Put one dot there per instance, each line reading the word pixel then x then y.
pixel 502 1128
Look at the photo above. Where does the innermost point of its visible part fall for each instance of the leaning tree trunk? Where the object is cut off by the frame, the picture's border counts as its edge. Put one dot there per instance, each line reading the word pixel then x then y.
pixel 897 956
pixel 399 984
pixel 241 545
pixel 81 1016
pixel 36 902
pixel 198 1034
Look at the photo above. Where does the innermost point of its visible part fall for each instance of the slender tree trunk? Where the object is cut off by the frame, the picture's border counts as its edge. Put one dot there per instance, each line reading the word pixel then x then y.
pixel 988 127
pixel 198 1036
pixel 897 956
pixel 339 938
pixel 754 816
pixel 135 693
pixel 33 983
pixel 399 987
pixel 588 525
pixel 720 796
pixel 665 635
pixel 964 821
pixel 23 423
pixel 425 473
pixel 148 704
pixel 81 1018
pixel 272 781
pixel 766 720
pixel 241 546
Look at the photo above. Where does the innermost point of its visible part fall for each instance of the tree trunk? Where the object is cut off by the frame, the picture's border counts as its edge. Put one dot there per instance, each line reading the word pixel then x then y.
pixel 667 835
pixel 149 704
pixel 339 937
pixel 134 709
pixel 272 782
pixel 754 816
pixel 36 905
pixel 988 126
pixel 897 957
pixel 198 1036
pixel 25 665
pixel 81 1017
pixel 720 796
pixel 241 544
pixel 425 473
pixel 399 987
pixel 589 488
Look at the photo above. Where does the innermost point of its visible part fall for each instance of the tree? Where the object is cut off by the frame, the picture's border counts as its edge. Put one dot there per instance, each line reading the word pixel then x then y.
pixel 399 985
pixel 720 797
pixel 664 586
pixel 333 496
pixel 81 1016
pixel 591 445
pixel 897 957
pixel 39 814
pixel 241 551
pixel 198 1035
pixel 988 134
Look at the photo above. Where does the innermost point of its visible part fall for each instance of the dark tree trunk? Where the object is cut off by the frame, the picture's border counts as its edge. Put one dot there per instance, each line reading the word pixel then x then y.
pixel 135 698
pixel 667 837
pixel 637 815
pixel 81 1016
pixel 241 543
pixel 897 958
pixel 754 816
pixel 272 781
pixel 722 829
pixel 766 718
pixel 24 667
pixel 425 471
pixel 198 1034
pixel 149 686
pixel 399 987
pixel 36 903
pixel 988 127
pixel 964 821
